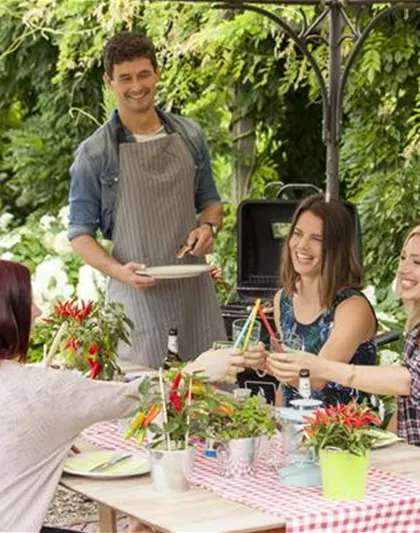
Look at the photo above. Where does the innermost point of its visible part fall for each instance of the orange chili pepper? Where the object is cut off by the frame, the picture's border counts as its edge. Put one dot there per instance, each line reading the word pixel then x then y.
pixel 151 415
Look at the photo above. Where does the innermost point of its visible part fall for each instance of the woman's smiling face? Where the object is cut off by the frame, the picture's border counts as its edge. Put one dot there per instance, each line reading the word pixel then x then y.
pixel 305 245
pixel 408 273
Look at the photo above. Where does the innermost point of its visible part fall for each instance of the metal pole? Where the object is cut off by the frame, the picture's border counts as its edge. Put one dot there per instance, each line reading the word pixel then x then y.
pixel 332 140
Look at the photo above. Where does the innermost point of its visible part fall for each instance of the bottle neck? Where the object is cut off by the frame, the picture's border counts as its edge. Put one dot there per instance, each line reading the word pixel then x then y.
pixel 173 344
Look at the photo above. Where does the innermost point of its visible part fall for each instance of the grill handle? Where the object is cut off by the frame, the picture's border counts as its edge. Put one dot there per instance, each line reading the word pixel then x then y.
pixel 297 187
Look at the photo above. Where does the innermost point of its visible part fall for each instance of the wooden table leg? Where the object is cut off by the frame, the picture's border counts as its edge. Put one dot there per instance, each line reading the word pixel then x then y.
pixel 107 519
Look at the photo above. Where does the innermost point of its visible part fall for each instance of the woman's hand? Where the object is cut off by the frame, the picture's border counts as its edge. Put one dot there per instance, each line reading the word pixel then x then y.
pixel 286 366
pixel 217 364
pixel 256 358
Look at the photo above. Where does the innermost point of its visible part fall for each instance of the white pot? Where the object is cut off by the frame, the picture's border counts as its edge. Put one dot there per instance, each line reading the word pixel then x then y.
pixel 171 469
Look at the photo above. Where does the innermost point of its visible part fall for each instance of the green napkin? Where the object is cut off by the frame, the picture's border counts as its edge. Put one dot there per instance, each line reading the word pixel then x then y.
pixel 85 462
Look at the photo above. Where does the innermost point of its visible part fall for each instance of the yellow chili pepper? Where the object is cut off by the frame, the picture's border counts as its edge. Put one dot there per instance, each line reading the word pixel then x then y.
pixel 137 421
pixel 140 436
pixel 129 433
pixel 198 389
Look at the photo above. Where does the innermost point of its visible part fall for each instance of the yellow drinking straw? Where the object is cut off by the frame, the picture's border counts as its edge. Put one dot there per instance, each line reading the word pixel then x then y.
pixel 251 324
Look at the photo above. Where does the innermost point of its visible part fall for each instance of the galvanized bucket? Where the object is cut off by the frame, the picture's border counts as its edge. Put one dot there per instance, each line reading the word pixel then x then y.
pixel 171 469
pixel 237 457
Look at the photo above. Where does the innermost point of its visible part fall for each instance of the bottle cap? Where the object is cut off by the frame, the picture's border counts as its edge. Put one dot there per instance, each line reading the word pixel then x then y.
pixel 173 331
pixel 210 453
pixel 304 373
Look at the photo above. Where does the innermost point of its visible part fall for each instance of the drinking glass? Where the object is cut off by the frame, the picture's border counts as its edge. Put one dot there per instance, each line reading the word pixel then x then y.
pixel 242 394
pixel 237 327
pixel 293 343
pixel 220 345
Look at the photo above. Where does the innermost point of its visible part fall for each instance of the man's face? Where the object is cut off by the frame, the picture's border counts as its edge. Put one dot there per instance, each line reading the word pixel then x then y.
pixel 134 84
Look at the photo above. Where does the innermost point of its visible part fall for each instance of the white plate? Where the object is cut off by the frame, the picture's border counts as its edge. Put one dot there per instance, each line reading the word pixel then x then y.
pixel 80 464
pixel 387 439
pixel 174 271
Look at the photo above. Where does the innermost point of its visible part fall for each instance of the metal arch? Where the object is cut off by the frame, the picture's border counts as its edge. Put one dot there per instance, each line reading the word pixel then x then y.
pixel 333 95
pixel 302 47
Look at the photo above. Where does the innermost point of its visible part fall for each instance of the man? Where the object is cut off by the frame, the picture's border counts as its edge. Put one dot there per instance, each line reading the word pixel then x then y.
pixel 144 179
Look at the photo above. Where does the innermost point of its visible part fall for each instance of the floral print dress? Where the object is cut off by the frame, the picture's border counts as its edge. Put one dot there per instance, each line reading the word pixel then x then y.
pixel 313 337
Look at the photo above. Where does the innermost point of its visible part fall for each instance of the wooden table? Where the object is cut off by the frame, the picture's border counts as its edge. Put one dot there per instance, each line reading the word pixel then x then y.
pixel 198 510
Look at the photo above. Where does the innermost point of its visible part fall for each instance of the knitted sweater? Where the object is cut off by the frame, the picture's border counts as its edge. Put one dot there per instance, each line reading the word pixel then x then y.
pixel 42 411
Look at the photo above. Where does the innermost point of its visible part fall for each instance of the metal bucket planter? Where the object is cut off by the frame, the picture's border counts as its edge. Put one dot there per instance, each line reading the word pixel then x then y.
pixel 237 457
pixel 171 469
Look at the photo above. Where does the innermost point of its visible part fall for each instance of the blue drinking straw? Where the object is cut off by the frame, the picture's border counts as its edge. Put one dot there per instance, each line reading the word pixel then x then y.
pixel 243 331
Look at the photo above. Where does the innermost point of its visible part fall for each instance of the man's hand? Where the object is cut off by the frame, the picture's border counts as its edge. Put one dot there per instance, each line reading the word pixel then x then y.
pixel 202 240
pixel 130 273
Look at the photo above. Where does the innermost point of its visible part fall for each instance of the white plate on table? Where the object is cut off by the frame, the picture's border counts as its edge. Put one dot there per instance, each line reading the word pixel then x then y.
pixel 386 438
pixel 174 271
pixel 82 463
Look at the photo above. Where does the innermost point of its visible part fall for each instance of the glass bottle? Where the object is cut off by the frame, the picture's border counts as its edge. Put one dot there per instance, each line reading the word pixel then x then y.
pixel 172 358
pixel 304 384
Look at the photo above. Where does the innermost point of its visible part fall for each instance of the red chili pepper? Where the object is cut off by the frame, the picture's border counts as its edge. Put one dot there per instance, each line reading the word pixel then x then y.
pixel 95 370
pixel 176 382
pixel 175 400
pixel 93 348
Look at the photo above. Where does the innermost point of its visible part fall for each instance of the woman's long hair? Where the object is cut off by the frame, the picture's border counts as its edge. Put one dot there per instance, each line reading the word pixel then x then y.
pixel 340 266
pixel 15 310
pixel 412 307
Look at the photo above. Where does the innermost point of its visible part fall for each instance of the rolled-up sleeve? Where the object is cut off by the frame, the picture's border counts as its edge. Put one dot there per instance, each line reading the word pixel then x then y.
pixel 85 196
pixel 206 192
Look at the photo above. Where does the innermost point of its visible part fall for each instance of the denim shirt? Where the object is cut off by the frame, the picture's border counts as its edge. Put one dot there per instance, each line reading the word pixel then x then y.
pixel 95 173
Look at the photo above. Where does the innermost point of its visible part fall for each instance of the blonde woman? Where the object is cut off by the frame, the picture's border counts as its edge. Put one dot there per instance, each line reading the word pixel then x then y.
pixel 402 381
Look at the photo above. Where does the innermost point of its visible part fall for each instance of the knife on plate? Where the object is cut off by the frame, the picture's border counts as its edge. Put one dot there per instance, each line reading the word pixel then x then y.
pixel 111 462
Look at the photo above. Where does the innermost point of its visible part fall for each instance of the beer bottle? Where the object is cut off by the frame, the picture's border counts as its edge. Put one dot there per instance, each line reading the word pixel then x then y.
pixel 304 384
pixel 172 358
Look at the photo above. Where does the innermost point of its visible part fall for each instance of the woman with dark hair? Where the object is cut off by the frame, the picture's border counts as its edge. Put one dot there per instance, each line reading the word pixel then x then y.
pixel 397 380
pixel 321 302
pixel 43 410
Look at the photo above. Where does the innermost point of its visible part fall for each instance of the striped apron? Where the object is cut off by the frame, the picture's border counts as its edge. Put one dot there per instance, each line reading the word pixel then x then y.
pixel 153 215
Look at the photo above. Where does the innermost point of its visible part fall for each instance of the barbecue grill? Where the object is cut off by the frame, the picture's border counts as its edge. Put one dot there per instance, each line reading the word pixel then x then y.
pixel 262 228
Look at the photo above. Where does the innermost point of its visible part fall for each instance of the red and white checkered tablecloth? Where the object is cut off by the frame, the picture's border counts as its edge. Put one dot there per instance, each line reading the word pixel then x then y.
pixel 110 435
pixel 392 503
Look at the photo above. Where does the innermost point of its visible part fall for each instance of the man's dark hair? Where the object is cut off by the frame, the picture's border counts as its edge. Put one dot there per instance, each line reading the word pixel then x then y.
pixel 126 46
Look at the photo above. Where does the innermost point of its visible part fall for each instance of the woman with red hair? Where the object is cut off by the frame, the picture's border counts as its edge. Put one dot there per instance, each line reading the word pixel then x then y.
pixel 43 410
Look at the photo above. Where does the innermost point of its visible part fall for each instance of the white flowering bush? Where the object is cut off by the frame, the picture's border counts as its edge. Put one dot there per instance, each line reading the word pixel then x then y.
pixel 42 245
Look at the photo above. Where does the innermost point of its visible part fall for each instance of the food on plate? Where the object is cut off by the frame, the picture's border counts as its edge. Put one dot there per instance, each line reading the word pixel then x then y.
pixel 185 248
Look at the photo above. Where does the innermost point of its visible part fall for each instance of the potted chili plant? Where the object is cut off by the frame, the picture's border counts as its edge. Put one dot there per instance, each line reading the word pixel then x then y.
pixel 89 340
pixel 342 439
pixel 173 412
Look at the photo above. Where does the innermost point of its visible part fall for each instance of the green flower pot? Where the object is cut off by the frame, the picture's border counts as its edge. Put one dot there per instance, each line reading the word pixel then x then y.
pixel 344 475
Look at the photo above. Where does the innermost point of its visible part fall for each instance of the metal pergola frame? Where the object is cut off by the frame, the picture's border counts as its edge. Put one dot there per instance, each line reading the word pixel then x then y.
pixel 333 85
